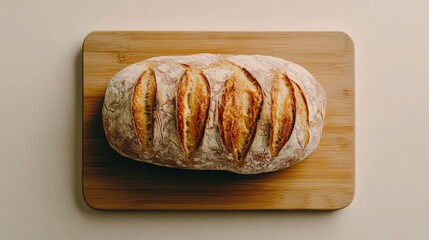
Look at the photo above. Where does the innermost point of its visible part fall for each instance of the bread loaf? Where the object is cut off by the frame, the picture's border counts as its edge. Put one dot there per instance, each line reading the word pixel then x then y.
pixel 242 113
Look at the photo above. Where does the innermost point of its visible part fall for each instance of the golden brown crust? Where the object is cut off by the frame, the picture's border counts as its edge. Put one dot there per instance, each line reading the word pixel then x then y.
pixel 239 111
pixel 143 108
pixel 282 113
pixel 302 112
pixel 233 93
pixel 193 100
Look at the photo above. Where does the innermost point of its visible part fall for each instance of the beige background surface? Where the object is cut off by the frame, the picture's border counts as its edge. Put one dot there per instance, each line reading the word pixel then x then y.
pixel 40 97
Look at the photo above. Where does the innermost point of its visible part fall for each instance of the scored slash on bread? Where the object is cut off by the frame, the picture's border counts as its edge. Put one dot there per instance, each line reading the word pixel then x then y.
pixel 143 104
pixel 302 112
pixel 239 111
pixel 193 99
pixel 283 111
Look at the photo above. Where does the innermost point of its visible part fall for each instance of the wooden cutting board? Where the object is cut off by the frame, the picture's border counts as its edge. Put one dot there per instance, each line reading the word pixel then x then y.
pixel 325 180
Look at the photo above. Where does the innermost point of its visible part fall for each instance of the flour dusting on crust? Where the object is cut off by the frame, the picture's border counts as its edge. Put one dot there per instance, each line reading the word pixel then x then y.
pixel 211 154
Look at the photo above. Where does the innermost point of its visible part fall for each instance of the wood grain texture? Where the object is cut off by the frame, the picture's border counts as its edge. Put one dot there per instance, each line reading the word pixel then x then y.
pixel 324 180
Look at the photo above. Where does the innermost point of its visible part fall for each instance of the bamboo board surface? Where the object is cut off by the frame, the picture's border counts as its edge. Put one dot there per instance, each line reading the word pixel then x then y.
pixel 324 180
